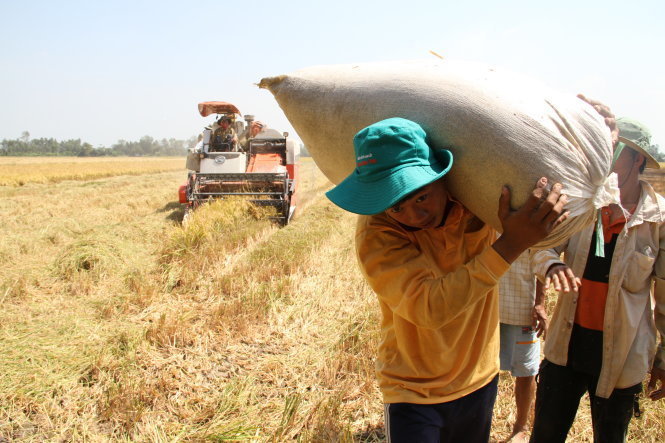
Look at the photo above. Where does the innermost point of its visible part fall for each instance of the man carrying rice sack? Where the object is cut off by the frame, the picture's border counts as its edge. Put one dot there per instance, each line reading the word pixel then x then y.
pixel 602 338
pixel 434 267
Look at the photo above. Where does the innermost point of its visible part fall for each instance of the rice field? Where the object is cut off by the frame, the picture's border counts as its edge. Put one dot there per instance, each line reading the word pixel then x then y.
pixel 19 171
pixel 118 323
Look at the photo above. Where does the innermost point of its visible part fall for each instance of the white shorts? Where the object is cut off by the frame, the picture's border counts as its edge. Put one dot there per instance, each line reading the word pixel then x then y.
pixel 520 350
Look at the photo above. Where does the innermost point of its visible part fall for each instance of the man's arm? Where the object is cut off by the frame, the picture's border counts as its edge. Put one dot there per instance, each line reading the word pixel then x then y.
pixel 403 277
pixel 656 386
pixel 657 381
pixel 540 321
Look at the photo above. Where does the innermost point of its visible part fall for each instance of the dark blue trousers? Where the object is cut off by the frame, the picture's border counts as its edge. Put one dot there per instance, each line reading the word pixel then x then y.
pixel 467 419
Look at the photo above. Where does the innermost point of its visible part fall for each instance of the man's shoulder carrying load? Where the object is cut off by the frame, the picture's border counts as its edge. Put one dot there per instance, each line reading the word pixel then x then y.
pixel 502 129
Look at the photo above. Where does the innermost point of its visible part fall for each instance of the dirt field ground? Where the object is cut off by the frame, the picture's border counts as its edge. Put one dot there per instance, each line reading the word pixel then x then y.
pixel 120 324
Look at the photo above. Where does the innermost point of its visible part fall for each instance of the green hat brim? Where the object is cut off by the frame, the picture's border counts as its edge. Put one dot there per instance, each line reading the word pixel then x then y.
pixel 369 198
pixel 652 163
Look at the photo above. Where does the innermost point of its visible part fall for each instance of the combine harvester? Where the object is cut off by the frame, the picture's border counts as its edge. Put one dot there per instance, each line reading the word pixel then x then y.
pixel 264 168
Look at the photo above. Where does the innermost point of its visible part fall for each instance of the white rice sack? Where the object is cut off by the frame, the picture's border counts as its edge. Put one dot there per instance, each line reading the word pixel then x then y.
pixel 501 128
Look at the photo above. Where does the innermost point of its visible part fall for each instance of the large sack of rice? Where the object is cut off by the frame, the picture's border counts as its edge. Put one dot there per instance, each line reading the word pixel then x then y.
pixel 502 129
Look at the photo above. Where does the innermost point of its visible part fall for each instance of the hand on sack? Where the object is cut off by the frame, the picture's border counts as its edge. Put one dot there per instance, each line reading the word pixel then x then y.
pixel 532 222
pixel 606 113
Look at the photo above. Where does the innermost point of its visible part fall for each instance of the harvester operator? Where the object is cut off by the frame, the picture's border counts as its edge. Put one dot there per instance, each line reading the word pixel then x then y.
pixel 224 136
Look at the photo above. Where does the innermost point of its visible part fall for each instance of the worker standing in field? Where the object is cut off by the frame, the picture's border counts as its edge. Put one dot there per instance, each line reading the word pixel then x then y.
pixel 603 335
pixel 434 267
pixel 523 321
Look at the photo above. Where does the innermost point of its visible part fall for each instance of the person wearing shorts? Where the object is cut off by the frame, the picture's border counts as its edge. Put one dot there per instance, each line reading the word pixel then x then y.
pixel 523 320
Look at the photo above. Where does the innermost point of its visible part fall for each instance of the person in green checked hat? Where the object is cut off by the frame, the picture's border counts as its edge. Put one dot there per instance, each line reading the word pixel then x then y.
pixel 602 337
pixel 434 267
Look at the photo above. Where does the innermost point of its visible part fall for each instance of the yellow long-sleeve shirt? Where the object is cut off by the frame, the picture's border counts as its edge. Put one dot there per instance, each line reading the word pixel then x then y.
pixel 437 290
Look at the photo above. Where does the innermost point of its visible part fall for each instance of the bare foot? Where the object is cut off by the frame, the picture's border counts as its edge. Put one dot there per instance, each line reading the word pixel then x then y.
pixel 518 437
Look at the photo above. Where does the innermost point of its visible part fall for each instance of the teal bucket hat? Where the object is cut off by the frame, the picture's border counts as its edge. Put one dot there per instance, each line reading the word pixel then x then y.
pixel 393 160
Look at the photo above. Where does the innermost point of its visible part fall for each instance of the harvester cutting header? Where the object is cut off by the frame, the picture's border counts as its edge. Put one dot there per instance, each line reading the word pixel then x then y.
pixel 242 157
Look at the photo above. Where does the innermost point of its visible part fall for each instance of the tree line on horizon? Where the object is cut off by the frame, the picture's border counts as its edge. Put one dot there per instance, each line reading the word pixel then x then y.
pixel 146 146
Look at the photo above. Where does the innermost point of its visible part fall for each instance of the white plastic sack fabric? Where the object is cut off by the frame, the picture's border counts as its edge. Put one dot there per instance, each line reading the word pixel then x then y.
pixel 502 129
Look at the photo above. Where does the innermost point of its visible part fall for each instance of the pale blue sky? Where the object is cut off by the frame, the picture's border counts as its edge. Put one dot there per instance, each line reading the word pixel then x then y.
pixel 123 69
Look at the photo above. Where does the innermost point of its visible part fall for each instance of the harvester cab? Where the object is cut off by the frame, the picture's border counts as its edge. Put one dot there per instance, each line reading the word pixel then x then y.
pixel 262 167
